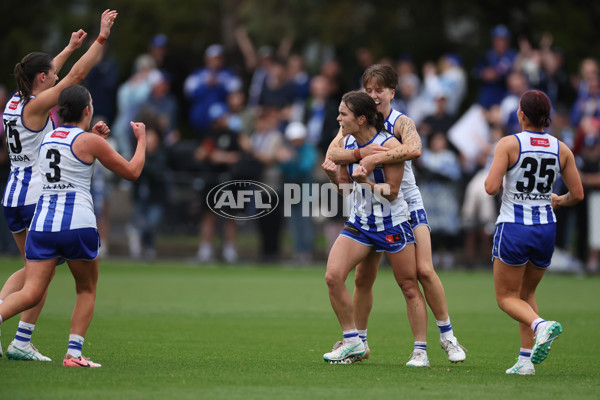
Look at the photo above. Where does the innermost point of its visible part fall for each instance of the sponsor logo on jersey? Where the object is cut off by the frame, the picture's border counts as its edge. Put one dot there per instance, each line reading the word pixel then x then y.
pixel 13 105
pixel 60 134
pixel 539 142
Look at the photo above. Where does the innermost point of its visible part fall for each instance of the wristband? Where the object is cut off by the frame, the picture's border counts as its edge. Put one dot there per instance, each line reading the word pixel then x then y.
pixel 357 154
pixel 101 39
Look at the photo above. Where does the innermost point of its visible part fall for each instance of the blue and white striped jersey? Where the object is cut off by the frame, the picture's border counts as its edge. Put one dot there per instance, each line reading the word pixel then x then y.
pixel 528 183
pixel 66 202
pixel 24 184
pixel 372 212
pixel 409 187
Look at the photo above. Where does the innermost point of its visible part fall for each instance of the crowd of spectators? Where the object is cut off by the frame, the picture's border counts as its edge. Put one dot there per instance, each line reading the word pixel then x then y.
pixel 271 119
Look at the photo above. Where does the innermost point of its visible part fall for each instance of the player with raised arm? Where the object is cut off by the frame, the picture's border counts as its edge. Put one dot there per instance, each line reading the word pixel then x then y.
pixel 64 224
pixel 525 168
pixel 26 120
pixel 378 222
pixel 379 82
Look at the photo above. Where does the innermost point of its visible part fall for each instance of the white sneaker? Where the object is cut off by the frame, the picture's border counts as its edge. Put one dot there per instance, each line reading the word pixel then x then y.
pixel 344 352
pixel 455 352
pixel 135 242
pixel 205 253
pixel 522 367
pixel 418 359
pixel 29 353
pixel 546 334
pixel 355 358
pixel 229 253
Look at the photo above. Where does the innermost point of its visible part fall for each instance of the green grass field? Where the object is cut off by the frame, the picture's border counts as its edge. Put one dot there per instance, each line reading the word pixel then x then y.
pixel 177 331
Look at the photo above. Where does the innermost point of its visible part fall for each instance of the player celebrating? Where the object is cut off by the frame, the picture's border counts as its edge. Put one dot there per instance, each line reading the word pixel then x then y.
pixel 379 82
pixel 527 165
pixel 64 224
pixel 378 221
pixel 26 120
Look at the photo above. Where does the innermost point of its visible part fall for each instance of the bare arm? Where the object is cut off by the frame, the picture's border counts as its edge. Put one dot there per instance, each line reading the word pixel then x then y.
pixel 570 176
pixel 341 156
pixel 337 175
pixel 409 149
pixel 394 172
pixel 500 164
pixel 41 105
pixel 90 146
pixel 77 39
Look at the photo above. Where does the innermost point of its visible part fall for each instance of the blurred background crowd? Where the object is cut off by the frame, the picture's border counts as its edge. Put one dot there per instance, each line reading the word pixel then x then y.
pixel 254 106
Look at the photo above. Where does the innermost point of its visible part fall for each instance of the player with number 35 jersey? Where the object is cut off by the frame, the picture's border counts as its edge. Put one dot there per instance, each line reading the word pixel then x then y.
pixel 23 187
pixel 525 167
pixel 528 184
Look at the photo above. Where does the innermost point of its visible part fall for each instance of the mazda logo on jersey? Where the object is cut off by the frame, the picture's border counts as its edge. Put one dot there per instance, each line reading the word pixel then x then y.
pixel 242 200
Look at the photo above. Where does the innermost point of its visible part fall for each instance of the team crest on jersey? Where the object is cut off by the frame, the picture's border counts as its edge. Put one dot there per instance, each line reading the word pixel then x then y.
pixel 540 142
pixel 60 134
pixel 13 105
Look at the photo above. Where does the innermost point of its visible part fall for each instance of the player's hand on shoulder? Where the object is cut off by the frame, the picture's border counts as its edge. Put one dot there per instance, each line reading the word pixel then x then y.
pixel 101 129
pixel 373 148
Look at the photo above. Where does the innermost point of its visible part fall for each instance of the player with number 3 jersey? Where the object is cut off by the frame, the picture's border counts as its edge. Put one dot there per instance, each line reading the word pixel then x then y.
pixel 26 120
pixel 525 167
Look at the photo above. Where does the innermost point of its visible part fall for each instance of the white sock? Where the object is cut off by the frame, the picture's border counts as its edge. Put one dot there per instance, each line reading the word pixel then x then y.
pixel 362 334
pixel 23 335
pixel 445 326
pixel 422 346
pixel 75 345
pixel 351 335
pixel 524 354
pixel 536 324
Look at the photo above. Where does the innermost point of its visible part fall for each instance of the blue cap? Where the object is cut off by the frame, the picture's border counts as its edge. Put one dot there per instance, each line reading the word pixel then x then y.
pixel 500 31
pixel 214 50
pixel 159 40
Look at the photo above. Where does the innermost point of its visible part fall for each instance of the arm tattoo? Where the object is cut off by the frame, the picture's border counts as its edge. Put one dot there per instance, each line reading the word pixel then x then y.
pixel 410 147
pixel 339 155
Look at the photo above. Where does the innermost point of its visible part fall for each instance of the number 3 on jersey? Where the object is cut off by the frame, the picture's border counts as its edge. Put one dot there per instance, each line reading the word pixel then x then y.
pixel 54 156
pixel 539 175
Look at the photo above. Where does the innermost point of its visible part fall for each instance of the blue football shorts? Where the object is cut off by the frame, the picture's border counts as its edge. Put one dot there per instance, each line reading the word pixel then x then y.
pixel 391 240
pixel 517 244
pixel 19 218
pixel 76 244
pixel 418 217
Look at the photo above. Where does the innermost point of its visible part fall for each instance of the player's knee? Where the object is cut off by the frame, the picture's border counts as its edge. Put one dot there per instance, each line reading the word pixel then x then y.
pixel 333 279
pixel 409 287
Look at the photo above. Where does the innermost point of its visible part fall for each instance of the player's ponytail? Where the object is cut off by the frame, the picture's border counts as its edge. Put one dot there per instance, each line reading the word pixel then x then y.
pixel 537 107
pixel 26 71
